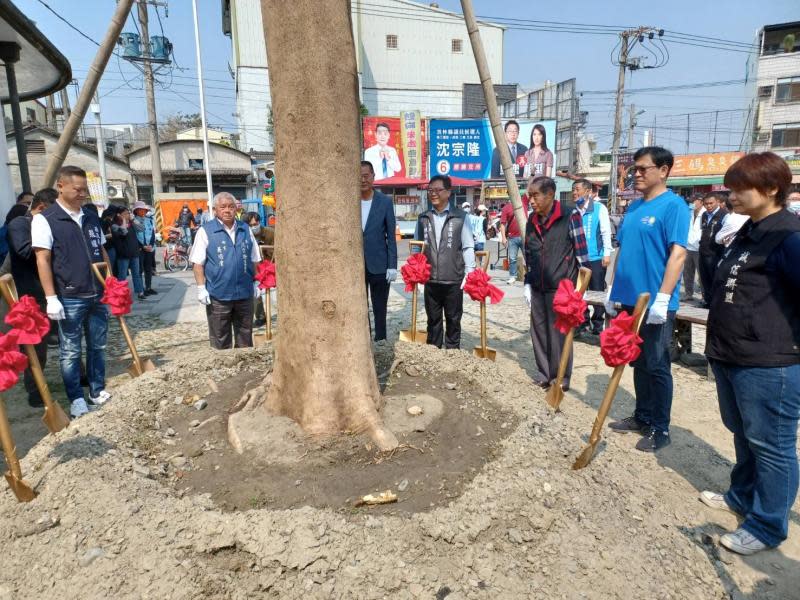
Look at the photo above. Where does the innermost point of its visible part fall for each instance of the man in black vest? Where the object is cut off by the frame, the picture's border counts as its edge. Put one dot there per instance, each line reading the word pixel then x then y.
pixel 710 251
pixel 67 240
pixel 450 251
pixel 559 229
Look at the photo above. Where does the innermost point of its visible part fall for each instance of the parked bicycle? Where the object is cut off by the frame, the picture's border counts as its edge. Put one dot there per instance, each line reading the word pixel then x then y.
pixel 176 251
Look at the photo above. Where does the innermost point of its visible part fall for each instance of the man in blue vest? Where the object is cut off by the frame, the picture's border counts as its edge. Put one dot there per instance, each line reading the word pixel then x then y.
pixel 67 240
pixel 224 256
pixel 380 247
pixel 597 229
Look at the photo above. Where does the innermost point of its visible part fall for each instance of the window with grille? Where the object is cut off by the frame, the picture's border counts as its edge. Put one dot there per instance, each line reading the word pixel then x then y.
pixel 785 135
pixel 787 90
pixel 765 91
pixel 391 42
pixel 456 45
pixel 34 146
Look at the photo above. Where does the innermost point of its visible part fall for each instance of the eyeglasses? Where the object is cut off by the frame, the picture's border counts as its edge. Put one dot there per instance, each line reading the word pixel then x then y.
pixel 642 170
pixel 436 191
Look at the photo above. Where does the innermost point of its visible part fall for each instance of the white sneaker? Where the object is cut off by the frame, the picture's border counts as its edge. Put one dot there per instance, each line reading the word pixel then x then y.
pixel 512 280
pixel 715 500
pixel 102 397
pixel 742 542
pixel 78 408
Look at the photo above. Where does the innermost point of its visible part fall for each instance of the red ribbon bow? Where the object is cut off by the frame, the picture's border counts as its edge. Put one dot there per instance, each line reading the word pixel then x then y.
pixel 416 270
pixel 118 296
pixel 12 361
pixel 478 287
pixel 265 274
pixel 569 306
pixel 619 345
pixel 28 320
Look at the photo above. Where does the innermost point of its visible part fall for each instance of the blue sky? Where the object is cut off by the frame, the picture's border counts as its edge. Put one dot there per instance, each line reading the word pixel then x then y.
pixel 531 57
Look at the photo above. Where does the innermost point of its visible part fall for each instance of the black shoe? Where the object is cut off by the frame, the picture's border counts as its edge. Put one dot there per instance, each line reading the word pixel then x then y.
pixel 142 296
pixel 627 425
pixel 653 440
pixel 542 384
pixel 150 292
pixel 259 323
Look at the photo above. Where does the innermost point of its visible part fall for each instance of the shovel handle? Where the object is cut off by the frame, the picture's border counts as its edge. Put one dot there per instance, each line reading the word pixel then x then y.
pixel 264 248
pixel 605 406
pixel 7 441
pixel 482 258
pixel 416 244
pixel 584 277
pixel 137 361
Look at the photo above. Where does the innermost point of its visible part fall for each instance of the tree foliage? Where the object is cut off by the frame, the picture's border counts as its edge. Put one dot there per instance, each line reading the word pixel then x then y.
pixel 177 123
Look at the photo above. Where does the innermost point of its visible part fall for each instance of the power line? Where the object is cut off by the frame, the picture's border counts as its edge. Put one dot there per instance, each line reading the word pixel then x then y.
pixel 70 25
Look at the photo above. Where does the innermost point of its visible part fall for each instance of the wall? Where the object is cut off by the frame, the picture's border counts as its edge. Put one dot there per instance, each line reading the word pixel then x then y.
pixel 770 69
pixel 116 174
pixel 175 157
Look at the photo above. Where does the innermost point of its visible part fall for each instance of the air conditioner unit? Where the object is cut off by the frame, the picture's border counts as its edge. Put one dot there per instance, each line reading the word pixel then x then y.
pixel 113 192
pixel 763 137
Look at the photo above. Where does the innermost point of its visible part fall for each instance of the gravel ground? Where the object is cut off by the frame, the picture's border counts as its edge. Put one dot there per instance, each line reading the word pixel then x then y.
pixel 526 526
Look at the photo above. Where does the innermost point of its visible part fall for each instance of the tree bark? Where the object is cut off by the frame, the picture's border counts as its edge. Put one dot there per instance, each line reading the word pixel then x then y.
pixel 324 373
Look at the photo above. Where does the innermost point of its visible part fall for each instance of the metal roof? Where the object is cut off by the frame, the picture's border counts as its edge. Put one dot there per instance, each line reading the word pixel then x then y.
pixel 41 69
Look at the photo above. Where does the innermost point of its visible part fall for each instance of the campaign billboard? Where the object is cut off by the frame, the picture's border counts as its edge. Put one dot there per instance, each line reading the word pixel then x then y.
pixel 396 148
pixel 465 148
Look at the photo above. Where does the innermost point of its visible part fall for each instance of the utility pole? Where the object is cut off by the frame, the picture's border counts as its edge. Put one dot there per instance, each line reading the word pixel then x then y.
pixel 206 153
pixel 101 149
pixel 623 64
pixel 631 125
pixel 152 121
pixel 89 87
pixel 714 141
pixel 494 113
pixel 50 116
pixel 688 129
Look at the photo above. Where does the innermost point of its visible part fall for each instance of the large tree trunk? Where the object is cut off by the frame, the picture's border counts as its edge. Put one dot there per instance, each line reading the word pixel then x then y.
pixel 324 376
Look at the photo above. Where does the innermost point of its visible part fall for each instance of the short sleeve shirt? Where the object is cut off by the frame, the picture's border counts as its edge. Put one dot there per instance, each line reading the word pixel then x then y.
pixel 507 217
pixel 646 237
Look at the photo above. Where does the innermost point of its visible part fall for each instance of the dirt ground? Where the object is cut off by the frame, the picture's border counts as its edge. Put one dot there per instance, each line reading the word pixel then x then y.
pixel 144 499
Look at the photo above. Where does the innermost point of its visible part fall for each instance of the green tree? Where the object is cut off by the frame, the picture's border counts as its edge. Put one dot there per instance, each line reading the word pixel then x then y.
pixel 176 123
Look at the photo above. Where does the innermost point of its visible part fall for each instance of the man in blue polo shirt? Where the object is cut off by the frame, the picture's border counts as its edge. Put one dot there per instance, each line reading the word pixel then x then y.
pixel 652 250
pixel 224 254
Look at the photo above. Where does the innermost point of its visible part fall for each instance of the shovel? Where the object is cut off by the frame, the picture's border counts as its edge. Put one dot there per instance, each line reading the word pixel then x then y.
pixel 414 335
pixel 55 419
pixel 483 351
pixel 139 365
pixel 260 339
pixel 555 394
pixel 22 490
pixel 587 454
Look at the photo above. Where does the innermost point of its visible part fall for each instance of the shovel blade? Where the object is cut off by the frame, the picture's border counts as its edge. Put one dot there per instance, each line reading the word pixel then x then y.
pixel 145 365
pixel 22 490
pixel 407 335
pixel 259 339
pixel 554 396
pixel 487 353
pixel 585 457
pixel 55 419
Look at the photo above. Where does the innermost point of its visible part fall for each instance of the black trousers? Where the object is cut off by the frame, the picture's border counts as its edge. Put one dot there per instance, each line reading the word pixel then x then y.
pixel 226 316
pixel 546 339
pixel 378 290
pixel 444 298
pixel 596 284
pixel 147 262
pixel 707 267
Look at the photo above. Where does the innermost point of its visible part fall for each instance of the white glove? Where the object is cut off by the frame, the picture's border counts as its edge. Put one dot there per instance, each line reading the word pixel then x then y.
pixel 257 291
pixel 528 293
pixel 658 311
pixel 55 310
pixel 609 304
pixel 202 295
pixel 391 275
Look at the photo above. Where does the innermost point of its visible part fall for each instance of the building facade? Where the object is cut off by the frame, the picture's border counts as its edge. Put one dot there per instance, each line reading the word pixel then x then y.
pixel 773 82
pixel 410 56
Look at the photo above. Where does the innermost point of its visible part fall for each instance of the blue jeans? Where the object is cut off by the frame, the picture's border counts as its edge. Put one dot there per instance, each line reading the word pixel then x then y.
pixel 761 407
pixel 112 259
pixel 91 316
pixel 136 272
pixel 479 246
pixel 652 374
pixel 514 247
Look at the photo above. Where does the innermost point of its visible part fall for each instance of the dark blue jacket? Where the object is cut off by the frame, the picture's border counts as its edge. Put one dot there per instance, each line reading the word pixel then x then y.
pixel 74 250
pixel 228 268
pixel 380 247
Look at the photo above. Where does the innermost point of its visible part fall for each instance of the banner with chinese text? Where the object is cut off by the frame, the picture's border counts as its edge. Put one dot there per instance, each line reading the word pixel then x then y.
pixel 387 145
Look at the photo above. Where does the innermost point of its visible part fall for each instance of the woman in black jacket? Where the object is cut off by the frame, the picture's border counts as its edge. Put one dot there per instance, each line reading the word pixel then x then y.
pixel 127 250
pixel 753 345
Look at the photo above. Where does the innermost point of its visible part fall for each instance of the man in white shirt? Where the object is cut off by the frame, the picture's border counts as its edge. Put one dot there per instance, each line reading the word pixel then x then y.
pixel 384 158
pixel 67 241
pixel 691 266
pixel 224 255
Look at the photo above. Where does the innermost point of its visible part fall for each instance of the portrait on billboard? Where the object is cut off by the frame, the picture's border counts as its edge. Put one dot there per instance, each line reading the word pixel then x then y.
pixel 383 154
pixel 539 157
pixel 518 150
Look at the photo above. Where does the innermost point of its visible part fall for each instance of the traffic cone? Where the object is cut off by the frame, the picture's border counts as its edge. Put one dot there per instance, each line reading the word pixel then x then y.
pixel 397 235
